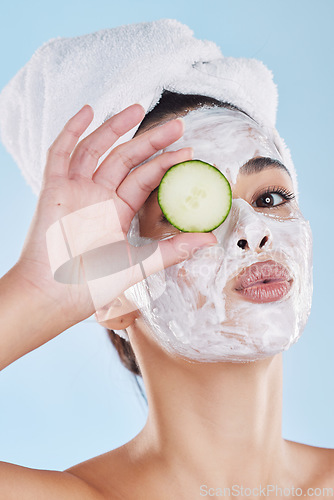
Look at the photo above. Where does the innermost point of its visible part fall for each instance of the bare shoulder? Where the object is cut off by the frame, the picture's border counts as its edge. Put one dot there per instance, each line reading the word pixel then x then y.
pixel 29 484
pixel 107 473
pixel 316 463
pixel 100 478
pixel 130 471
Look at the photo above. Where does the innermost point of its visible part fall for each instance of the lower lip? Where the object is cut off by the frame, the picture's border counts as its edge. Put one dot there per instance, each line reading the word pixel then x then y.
pixel 261 293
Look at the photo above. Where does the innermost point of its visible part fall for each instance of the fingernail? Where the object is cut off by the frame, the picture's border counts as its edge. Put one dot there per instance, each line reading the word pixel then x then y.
pixel 181 120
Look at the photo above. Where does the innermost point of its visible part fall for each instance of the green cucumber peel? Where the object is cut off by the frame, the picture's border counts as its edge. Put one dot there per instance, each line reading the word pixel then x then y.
pixel 195 196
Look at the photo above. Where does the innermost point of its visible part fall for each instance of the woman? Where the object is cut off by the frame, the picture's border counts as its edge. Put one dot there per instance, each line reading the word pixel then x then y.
pixel 214 426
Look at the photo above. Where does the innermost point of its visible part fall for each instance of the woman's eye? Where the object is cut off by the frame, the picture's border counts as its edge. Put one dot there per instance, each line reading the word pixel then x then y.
pixel 269 200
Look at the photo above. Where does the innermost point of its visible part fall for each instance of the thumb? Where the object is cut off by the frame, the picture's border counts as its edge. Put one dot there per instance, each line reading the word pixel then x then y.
pixel 183 246
pixel 172 251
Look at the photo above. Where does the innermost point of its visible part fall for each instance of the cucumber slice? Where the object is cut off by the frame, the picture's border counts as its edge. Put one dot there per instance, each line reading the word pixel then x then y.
pixel 195 196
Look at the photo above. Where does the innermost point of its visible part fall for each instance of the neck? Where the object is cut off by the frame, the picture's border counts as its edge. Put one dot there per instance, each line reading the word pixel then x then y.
pixel 220 420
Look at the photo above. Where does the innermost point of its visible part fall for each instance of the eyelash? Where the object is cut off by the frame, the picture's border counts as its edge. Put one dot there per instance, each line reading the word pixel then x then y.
pixel 163 219
pixel 287 195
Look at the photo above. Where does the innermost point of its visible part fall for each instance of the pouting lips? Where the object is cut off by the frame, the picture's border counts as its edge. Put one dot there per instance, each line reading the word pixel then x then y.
pixel 266 281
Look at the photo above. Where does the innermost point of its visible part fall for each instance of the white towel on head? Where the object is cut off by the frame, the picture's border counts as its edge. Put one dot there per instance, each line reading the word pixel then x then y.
pixel 113 68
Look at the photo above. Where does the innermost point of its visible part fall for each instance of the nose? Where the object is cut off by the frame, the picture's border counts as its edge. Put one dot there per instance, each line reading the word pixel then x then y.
pixel 243 243
pixel 246 229
pixel 252 232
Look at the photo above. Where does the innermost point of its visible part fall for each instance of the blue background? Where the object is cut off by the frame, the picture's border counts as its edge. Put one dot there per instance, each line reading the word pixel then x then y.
pixel 70 399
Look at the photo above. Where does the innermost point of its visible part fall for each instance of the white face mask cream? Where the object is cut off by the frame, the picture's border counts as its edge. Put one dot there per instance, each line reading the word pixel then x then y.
pixel 249 296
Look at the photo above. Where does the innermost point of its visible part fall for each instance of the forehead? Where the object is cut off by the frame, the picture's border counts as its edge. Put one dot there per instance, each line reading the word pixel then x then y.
pixel 228 139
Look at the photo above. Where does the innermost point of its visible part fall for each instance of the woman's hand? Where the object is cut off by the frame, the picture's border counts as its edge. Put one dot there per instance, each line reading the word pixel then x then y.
pixel 71 182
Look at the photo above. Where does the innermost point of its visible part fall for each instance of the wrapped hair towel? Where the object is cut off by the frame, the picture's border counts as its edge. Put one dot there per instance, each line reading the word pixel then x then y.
pixel 114 68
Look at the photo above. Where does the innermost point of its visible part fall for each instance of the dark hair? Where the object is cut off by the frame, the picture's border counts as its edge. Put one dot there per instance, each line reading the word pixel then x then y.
pixel 170 104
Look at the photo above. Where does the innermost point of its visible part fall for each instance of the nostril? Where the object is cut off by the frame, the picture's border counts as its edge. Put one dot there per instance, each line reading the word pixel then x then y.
pixel 242 244
pixel 263 241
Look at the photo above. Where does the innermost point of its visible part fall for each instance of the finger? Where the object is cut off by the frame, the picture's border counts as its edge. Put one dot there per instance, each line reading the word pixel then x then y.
pixel 182 247
pixel 123 158
pixel 60 151
pixel 136 263
pixel 138 185
pixel 160 255
pixel 86 155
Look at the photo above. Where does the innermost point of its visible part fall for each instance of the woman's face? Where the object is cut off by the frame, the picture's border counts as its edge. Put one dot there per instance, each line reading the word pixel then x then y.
pixel 249 296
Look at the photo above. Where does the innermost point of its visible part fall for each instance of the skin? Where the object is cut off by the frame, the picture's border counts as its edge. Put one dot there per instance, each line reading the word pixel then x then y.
pixel 217 424
pixel 224 422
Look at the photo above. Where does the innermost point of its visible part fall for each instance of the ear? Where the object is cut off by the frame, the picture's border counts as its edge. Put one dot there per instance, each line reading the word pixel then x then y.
pixel 117 315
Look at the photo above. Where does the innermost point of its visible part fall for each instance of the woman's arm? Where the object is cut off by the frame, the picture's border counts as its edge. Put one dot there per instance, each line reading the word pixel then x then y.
pixel 28 317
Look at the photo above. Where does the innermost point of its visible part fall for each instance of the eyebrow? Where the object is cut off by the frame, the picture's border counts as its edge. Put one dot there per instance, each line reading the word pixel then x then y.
pixel 255 165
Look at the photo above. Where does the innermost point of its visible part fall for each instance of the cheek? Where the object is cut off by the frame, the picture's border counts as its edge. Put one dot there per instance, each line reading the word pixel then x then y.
pixel 294 237
pixel 147 218
pixel 185 279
